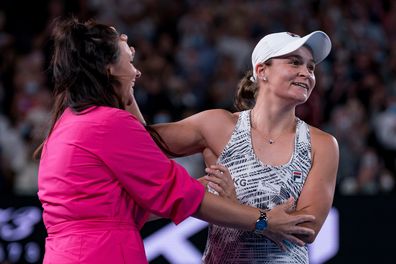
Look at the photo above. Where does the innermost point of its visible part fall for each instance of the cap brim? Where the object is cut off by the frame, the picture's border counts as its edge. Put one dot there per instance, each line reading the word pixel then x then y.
pixel 318 41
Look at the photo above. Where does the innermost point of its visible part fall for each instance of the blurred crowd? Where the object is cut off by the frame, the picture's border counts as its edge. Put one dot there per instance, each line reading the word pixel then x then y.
pixel 192 54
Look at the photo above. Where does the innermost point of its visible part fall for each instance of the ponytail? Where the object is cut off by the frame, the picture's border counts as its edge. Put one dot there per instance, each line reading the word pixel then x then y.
pixel 246 94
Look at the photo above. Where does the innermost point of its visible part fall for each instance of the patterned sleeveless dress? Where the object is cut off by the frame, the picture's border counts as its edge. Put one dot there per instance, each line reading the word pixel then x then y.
pixel 262 186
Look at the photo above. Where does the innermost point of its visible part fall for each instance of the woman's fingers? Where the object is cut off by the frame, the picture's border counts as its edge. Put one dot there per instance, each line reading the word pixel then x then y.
pixel 217 188
pixel 215 179
pixel 300 230
pixel 213 183
pixel 298 219
pixel 220 180
pixel 203 181
pixel 217 184
pixel 281 246
pixel 218 173
pixel 287 226
pixel 219 167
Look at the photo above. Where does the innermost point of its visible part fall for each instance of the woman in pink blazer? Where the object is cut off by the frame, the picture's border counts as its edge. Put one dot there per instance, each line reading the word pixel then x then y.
pixel 101 175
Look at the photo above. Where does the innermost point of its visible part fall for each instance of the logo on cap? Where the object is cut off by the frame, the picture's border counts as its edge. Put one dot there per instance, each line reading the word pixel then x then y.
pixel 293 35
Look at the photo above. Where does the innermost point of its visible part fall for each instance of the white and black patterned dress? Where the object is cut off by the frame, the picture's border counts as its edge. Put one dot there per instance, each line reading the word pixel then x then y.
pixel 262 186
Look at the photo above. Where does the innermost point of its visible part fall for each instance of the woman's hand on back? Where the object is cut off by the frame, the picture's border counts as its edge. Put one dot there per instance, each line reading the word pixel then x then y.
pixel 219 179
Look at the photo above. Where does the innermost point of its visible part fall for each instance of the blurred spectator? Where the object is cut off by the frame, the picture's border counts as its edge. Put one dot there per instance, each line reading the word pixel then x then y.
pixel 385 130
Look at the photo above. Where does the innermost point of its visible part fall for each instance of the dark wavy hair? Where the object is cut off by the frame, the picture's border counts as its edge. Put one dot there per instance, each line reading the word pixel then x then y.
pixel 82 52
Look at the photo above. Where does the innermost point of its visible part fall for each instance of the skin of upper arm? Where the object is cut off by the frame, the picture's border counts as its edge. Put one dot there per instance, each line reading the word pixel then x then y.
pixel 182 137
pixel 207 129
pixel 318 192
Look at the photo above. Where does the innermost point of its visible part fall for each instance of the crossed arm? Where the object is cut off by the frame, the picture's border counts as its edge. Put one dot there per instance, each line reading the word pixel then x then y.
pixel 317 194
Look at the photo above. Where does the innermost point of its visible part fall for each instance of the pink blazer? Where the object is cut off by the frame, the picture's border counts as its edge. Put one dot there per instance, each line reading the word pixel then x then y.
pixel 100 177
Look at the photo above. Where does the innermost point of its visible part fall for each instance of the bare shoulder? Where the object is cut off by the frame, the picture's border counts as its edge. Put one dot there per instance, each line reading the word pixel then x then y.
pixel 219 114
pixel 323 141
pixel 216 127
pixel 216 118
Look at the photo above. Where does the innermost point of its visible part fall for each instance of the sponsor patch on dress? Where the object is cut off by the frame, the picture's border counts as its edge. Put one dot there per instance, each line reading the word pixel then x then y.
pixel 297 176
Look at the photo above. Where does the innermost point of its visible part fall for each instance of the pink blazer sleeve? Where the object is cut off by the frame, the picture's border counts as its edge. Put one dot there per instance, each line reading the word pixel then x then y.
pixel 152 180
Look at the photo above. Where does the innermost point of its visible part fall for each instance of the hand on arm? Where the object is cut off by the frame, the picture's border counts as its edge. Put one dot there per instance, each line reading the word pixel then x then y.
pixel 284 226
pixel 219 179
pixel 281 225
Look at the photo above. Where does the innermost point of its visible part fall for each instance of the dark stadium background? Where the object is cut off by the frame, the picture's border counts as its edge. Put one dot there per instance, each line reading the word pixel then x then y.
pixel 192 54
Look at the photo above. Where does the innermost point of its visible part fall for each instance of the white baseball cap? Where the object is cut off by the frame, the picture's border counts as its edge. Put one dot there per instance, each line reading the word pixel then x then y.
pixel 282 43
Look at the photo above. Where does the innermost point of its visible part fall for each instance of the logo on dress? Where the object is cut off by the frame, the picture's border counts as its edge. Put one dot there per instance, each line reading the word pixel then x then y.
pixel 297 176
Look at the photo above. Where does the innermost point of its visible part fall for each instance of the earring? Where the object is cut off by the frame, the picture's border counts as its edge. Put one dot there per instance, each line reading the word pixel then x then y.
pixel 264 78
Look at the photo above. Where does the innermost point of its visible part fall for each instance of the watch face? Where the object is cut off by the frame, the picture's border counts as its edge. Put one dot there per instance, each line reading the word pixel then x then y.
pixel 261 225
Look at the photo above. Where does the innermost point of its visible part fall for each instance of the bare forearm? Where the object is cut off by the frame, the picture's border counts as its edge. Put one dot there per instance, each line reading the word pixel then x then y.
pixel 299 228
pixel 316 225
pixel 179 138
pixel 219 211
pixel 281 226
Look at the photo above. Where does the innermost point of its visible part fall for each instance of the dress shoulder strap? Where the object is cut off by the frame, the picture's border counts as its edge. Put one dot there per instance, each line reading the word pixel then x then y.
pixel 239 136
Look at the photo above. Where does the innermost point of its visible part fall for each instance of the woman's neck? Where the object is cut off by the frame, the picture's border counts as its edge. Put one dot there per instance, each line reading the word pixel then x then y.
pixel 273 120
